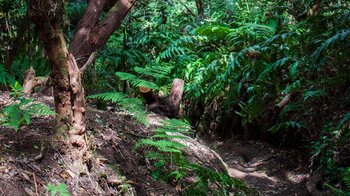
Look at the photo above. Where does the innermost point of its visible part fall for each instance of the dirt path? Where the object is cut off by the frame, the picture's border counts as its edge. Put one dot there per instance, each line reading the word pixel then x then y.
pixel 267 170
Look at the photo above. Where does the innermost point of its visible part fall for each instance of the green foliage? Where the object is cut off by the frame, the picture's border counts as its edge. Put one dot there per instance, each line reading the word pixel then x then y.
pixel 238 61
pixel 21 110
pixel 16 90
pixel 59 190
pixel 134 106
pixel 135 81
pixel 327 152
pixel 165 150
pixel 5 77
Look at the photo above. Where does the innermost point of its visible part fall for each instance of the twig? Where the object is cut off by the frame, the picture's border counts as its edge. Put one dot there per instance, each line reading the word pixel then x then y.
pixel 40 155
pixel 35 185
pixel 2 191
pixel 285 100
pixel 136 135
pixel 47 140
pixel 88 62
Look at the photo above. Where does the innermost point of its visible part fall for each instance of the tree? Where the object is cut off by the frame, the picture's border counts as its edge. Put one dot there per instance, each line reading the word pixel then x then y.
pixel 200 8
pixel 90 35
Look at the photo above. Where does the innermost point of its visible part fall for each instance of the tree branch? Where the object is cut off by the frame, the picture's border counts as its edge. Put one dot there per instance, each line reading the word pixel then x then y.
pixel 113 20
pixel 285 100
pixel 88 62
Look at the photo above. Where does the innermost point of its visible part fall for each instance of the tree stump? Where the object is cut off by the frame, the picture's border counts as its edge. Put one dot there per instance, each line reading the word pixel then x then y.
pixel 169 105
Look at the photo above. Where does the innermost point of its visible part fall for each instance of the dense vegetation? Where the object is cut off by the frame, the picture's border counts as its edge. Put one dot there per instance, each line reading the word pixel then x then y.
pixel 277 71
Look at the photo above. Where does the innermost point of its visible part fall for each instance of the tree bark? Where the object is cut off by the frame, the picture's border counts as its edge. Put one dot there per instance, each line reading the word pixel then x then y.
pixel 200 8
pixel 91 33
pixel 169 105
pixel 66 74
pixel 30 81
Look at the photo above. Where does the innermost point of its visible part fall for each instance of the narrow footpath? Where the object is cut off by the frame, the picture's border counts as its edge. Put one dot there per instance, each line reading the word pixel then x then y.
pixel 265 169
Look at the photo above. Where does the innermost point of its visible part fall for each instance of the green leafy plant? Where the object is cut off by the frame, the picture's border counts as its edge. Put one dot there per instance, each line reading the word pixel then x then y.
pixel 150 73
pixel 170 164
pixel 60 190
pixel 5 77
pixel 16 90
pixel 21 110
pixel 134 106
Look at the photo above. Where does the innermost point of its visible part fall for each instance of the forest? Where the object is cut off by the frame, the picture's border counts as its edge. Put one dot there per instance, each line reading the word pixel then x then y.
pixel 174 97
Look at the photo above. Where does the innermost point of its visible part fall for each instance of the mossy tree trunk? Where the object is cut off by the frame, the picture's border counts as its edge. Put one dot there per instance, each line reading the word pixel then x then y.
pixel 90 35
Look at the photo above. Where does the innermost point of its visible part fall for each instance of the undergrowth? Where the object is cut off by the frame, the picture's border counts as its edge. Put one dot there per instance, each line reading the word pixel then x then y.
pixel 165 150
pixel 20 111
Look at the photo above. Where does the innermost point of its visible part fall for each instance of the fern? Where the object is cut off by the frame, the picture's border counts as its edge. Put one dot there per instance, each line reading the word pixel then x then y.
pixel 20 113
pixel 137 82
pixel 158 72
pixel 339 36
pixel 114 97
pixel 165 151
pixel 132 105
pixel 171 51
pixel 284 126
pixel 5 78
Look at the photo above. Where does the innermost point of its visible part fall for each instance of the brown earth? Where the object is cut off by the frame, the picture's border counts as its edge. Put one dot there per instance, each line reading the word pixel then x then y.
pixel 28 163
pixel 266 169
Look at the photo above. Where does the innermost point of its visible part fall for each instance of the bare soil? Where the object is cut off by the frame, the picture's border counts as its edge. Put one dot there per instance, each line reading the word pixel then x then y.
pixel 267 170
pixel 28 163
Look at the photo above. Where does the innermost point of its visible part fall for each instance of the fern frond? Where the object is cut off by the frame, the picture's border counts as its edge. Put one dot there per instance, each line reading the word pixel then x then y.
pixel 274 67
pixel 339 36
pixel 5 77
pixel 162 145
pixel 136 108
pixel 137 82
pixel 39 110
pixel 133 106
pixel 156 71
pixel 171 52
pixel 285 125
pixel 114 97
pixel 307 94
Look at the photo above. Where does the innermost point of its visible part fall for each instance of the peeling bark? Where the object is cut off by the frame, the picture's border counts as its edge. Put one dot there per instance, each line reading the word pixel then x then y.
pixel 76 133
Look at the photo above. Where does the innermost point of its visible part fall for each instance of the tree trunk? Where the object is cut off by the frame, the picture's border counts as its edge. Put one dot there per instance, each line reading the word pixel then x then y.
pixel 91 34
pixel 66 74
pixel 200 8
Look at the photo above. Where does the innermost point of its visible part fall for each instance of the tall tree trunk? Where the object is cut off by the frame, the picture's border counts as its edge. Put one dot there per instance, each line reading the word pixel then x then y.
pixel 47 15
pixel 200 8
pixel 66 74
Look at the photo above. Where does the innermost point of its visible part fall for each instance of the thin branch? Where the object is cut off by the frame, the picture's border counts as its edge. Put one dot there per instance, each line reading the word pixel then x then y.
pixel 35 185
pixel 187 8
pixel 285 100
pixel 88 62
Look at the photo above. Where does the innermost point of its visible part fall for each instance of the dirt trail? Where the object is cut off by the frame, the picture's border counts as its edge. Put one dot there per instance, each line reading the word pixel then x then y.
pixel 267 170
